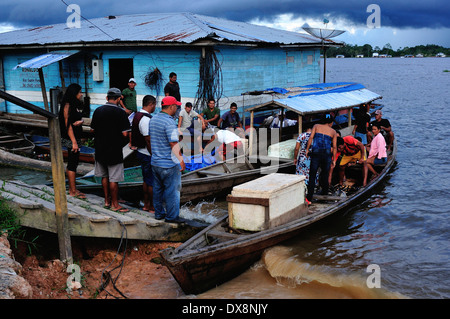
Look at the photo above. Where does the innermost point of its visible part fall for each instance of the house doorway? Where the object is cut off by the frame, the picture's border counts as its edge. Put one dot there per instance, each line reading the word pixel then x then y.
pixel 120 71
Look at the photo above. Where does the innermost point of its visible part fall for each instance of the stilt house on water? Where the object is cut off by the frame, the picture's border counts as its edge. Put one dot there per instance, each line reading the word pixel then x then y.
pixel 212 57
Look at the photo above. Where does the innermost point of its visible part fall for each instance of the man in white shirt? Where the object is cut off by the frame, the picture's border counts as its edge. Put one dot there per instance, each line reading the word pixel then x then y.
pixel 187 129
pixel 228 142
pixel 186 117
pixel 140 138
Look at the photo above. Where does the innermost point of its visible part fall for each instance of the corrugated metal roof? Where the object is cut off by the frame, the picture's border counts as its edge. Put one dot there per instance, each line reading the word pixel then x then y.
pixel 158 27
pixel 46 59
pixel 322 98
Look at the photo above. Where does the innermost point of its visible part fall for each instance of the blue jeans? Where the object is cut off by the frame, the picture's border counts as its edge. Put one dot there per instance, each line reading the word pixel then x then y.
pixel 320 159
pixel 146 167
pixel 166 190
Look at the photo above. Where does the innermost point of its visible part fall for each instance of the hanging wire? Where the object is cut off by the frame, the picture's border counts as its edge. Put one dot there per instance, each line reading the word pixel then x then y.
pixel 154 80
pixel 210 83
pixel 106 277
pixel 91 23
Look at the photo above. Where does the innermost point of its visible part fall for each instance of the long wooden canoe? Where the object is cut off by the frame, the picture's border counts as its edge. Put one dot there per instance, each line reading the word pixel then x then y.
pixel 202 183
pixel 87 154
pixel 15 144
pixel 217 253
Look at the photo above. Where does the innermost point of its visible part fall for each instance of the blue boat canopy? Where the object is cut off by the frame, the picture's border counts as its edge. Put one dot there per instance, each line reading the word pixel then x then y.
pixel 45 59
pixel 320 98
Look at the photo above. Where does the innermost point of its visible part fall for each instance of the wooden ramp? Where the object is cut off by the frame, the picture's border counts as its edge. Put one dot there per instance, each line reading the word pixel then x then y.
pixel 88 218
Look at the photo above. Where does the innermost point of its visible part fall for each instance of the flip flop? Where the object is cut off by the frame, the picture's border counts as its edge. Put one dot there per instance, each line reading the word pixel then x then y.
pixel 120 210
pixel 79 196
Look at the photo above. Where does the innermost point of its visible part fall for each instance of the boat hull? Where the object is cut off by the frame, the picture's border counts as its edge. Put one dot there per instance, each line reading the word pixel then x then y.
pixel 87 154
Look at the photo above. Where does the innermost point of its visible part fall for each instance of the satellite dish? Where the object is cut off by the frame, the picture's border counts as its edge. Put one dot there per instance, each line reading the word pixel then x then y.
pixel 323 34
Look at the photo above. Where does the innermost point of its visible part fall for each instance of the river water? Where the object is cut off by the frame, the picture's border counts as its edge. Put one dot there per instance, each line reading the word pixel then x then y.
pixel 402 230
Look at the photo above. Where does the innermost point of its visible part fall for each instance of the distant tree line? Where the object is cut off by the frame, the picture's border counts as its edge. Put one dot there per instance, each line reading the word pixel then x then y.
pixel 349 50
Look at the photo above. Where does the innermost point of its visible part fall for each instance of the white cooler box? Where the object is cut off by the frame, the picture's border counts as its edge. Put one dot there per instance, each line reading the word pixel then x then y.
pixel 267 202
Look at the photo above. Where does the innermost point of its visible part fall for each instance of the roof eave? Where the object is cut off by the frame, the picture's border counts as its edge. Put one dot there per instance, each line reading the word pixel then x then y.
pixel 277 105
pixel 199 42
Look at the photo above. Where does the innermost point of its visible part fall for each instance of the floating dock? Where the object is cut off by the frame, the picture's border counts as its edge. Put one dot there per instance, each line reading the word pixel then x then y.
pixel 88 217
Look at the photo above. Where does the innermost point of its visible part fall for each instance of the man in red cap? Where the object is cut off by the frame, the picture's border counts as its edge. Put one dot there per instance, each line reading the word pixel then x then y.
pixel 167 162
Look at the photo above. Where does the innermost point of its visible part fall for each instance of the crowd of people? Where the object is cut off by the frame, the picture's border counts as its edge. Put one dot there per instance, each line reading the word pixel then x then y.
pixel 158 140
pixel 155 138
pixel 322 147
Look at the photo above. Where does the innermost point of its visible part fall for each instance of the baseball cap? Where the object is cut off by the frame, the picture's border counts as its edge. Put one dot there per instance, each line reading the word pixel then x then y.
pixel 378 112
pixel 114 92
pixel 132 80
pixel 170 100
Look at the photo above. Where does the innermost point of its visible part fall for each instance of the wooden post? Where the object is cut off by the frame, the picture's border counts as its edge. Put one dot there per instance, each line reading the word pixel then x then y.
pixel 44 91
pixel 251 137
pixel 59 186
pixel 281 125
pixel 300 124
pixel 61 74
pixel 349 117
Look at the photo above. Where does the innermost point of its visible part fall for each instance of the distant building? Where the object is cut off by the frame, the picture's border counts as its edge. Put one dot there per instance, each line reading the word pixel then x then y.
pixel 360 55
pixel 375 55
pixel 440 55
pixel 240 56
pixel 340 56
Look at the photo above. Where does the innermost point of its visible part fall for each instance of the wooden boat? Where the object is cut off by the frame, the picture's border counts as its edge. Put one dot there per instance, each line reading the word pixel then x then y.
pixel 87 154
pixel 14 143
pixel 199 184
pixel 219 253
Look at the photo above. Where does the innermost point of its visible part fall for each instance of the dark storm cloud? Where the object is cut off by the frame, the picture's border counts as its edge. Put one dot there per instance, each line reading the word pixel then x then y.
pixel 394 13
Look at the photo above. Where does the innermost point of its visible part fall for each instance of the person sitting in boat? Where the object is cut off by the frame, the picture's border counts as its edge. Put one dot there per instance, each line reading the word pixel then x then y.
pixel 191 125
pixel 231 120
pixel 386 129
pixel 353 151
pixel 377 153
pixel 322 143
pixel 211 113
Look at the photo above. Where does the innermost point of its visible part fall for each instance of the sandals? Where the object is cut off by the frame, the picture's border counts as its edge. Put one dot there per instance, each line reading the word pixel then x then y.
pixel 79 195
pixel 120 209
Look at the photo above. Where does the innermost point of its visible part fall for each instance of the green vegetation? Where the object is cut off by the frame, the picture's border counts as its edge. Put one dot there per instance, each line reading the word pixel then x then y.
pixel 349 50
pixel 10 224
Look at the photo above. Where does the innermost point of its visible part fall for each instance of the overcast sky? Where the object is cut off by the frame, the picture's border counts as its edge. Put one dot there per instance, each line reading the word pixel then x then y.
pixel 401 22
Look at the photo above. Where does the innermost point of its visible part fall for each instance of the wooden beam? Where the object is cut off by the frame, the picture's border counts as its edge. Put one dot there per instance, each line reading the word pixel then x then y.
pixel 251 137
pixel 43 89
pixel 59 186
pixel 61 74
pixel 350 117
pixel 300 124
pixel 248 200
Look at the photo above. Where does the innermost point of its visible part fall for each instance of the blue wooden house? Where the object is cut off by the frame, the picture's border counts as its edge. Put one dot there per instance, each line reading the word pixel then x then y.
pixel 212 57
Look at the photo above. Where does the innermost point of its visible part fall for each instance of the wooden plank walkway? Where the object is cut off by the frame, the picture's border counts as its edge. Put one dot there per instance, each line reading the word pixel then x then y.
pixel 88 218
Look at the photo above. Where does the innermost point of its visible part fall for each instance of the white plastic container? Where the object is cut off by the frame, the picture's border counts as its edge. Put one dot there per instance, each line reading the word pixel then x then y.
pixel 267 202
